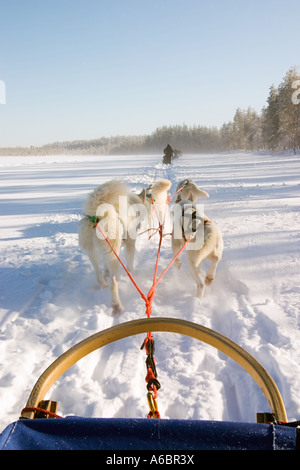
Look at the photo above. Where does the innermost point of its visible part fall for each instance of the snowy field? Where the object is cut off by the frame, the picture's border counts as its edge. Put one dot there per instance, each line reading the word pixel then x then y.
pixel 49 298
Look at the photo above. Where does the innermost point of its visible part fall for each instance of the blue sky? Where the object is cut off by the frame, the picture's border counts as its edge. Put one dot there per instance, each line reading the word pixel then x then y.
pixel 83 69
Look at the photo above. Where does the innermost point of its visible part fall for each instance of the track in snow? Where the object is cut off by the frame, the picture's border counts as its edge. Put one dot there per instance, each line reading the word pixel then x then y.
pixel 50 299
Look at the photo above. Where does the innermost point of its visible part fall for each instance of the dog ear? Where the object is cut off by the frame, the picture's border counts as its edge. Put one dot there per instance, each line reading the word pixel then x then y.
pixel 182 184
pixel 202 193
pixel 148 191
pixel 142 195
pixel 196 191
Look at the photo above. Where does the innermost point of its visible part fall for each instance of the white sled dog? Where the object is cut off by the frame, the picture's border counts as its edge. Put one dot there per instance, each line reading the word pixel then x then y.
pixel 118 212
pixel 207 242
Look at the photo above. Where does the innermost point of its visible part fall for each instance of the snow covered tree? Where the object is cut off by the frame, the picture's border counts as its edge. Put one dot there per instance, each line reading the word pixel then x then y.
pixel 270 121
pixel 289 111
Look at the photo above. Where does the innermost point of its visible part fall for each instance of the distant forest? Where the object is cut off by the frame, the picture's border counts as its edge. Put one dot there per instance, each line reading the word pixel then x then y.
pixel 275 128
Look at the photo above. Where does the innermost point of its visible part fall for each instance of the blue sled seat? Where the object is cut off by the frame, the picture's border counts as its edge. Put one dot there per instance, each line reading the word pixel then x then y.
pixel 73 433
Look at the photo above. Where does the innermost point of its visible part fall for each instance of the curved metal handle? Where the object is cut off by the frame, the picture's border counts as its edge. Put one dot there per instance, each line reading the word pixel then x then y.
pixel 171 325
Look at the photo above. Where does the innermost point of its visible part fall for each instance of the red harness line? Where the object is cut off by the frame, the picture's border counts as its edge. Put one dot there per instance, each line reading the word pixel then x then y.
pixel 41 410
pixel 149 299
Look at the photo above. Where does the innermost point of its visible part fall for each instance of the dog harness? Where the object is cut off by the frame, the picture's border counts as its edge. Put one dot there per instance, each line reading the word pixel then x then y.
pixel 195 217
pixel 95 220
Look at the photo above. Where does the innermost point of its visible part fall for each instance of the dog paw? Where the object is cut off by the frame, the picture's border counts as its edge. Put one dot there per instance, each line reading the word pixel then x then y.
pixel 177 263
pixel 103 284
pixel 209 280
pixel 116 309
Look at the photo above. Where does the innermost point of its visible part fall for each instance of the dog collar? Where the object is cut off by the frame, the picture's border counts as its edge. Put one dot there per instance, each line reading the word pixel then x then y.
pixel 93 218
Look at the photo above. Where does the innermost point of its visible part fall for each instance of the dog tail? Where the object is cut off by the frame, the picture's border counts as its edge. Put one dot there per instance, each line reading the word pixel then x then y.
pixel 160 188
pixel 85 234
pixel 159 197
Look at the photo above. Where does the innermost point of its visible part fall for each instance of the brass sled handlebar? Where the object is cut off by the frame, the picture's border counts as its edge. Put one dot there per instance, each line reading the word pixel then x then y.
pixel 171 325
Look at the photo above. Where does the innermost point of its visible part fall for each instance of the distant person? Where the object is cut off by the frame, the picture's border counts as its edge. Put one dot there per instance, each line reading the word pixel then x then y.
pixel 168 155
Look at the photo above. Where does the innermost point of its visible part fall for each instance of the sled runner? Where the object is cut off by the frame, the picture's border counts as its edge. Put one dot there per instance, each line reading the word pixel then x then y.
pixel 33 431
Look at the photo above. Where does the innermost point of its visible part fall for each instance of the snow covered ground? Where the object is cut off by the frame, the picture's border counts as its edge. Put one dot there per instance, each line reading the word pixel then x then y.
pixel 49 298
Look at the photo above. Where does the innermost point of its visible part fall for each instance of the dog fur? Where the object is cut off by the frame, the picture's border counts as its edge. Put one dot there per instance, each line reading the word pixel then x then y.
pixel 185 210
pixel 107 198
pixel 189 191
pixel 154 198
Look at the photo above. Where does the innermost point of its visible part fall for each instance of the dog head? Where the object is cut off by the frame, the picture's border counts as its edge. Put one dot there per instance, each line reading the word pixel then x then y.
pixel 189 191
